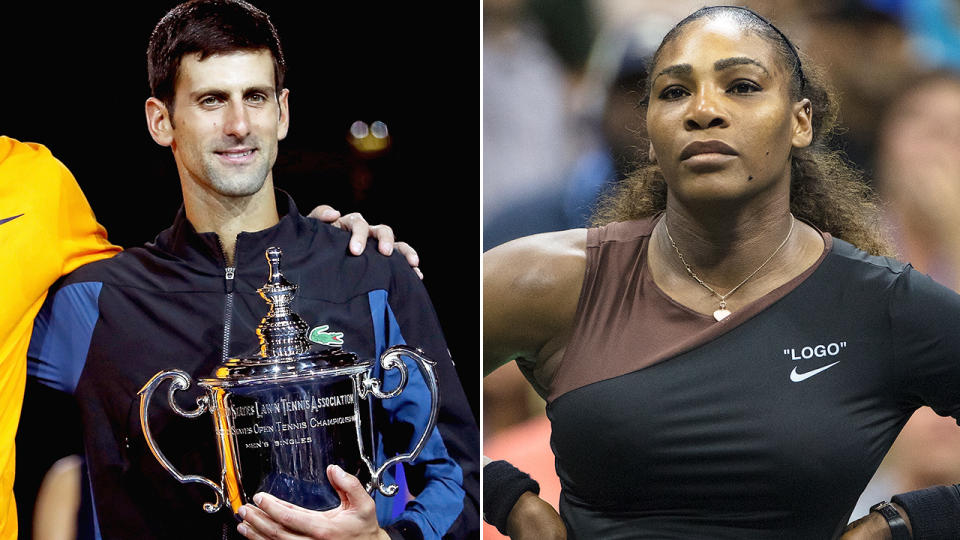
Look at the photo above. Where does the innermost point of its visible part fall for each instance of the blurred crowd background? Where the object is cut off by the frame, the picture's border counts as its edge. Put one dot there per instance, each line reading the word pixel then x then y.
pixel 561 80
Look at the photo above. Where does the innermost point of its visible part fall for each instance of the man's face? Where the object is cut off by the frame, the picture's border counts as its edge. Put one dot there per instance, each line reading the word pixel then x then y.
pixel 227 122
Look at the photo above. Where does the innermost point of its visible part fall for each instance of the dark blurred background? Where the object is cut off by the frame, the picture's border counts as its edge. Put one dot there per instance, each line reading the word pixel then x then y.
pixel 74 79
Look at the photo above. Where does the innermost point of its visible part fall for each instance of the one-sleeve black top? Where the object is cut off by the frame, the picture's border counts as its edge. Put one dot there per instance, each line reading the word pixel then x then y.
pixel 766 425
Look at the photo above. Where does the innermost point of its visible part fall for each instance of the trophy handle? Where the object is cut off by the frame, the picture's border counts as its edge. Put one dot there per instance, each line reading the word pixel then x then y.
pixel 390 359
pixel 180 380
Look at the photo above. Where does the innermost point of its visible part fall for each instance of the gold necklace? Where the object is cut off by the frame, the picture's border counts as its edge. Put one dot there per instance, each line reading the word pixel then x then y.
pixel 722 312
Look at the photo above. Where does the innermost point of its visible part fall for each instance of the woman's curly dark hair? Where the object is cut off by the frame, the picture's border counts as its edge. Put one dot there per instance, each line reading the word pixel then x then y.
pixel 826 189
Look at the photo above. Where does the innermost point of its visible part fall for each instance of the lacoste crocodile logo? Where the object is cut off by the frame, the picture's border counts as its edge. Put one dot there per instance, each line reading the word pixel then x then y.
pixel 330 339
pixel 11 218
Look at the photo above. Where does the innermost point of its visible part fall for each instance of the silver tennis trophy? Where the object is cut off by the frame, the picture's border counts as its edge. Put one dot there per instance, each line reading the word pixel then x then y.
pixel 285 412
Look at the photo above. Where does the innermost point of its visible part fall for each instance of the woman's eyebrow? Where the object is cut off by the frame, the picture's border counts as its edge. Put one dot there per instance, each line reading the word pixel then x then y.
pixel 677 69
pixel 720 65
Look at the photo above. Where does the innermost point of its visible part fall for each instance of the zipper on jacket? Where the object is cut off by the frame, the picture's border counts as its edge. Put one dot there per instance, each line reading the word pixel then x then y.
pixel 228 273
pixel 227 310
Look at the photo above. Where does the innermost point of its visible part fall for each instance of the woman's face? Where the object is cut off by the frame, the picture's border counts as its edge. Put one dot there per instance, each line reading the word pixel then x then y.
pixel 720 119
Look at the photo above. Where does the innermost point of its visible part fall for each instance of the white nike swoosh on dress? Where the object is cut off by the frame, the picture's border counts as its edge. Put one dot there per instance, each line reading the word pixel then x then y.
pixel 797 377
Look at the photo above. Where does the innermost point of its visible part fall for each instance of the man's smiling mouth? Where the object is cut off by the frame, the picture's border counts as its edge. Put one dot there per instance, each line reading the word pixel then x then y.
pixel 240 155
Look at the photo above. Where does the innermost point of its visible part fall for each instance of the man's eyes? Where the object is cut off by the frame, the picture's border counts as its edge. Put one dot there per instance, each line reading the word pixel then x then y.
pixel 213 101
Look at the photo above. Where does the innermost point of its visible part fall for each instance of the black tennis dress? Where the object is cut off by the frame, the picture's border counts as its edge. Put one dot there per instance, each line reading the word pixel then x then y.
pixel 768 424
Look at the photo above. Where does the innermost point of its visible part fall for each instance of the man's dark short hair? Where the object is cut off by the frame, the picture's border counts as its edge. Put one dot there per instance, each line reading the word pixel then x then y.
pixel 208 27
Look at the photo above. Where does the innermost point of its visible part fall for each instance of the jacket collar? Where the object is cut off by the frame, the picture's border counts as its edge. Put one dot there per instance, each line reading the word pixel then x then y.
pixel 184 242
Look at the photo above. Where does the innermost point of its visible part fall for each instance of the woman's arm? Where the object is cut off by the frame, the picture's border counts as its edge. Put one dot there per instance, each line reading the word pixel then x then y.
pixel 531 287
pixel 530 291
pixel 512 504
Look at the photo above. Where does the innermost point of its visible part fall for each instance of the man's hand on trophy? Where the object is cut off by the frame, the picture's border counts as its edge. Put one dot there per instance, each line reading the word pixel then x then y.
pixel 355 518
pixel 360 230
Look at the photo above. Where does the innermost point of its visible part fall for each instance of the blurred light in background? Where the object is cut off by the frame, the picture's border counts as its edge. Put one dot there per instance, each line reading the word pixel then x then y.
pixel 359 130
pixel 370 139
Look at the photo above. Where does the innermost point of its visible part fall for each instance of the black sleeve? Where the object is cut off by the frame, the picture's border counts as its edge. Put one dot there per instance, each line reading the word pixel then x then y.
pixel 926 324
pixel 925 320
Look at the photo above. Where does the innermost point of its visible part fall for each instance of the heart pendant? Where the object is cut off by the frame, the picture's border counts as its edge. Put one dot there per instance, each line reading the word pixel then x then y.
pixel 721 314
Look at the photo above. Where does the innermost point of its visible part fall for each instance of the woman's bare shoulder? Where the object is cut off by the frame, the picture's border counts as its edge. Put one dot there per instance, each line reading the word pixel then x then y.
pixel 531 287
pixel 557 253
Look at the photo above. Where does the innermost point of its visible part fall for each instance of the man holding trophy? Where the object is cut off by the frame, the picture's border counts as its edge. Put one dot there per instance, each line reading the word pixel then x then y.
pixel 190 302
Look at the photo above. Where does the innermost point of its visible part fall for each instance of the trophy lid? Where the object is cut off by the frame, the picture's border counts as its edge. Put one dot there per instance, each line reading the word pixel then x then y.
pixel 284 351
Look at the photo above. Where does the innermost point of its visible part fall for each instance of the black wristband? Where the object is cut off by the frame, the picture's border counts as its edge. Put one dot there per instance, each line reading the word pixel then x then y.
pixel 898 527
pixel 503 484
pixel 934 512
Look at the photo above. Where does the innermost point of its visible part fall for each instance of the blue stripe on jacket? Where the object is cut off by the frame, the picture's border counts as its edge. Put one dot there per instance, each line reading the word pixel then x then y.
pixel 441 502
pixel 61 354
